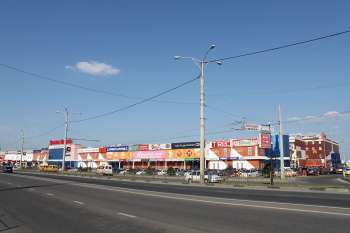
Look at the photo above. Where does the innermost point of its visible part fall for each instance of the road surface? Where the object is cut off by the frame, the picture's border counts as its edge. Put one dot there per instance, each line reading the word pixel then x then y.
pixel 40 204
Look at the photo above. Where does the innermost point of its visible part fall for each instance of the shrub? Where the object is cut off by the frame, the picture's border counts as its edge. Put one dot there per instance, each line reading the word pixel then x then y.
pixel 171 171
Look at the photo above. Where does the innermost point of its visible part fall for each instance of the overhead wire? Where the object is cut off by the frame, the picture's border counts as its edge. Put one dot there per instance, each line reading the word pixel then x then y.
pixel 138 102
pixel 281 47
pixel 74 85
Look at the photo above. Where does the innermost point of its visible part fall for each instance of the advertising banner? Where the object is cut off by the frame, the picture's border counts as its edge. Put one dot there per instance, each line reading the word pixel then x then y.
pixel 166 146
pixel 159 155
pixel 265 140
pixel 221 144
pixel 117 148
pixel 180 154
pixel 112 156
pixel 185 145
pixel 244 142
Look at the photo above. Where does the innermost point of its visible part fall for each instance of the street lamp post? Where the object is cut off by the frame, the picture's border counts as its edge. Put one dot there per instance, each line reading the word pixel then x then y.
pixel 201 63
pixel 66 113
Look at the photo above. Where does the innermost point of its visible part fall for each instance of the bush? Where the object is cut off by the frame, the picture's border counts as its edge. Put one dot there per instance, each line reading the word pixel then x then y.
pixel 171 171
pixel 229 170
pixel 149 171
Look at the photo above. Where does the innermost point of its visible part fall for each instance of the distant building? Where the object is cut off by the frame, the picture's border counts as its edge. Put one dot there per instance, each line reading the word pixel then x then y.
pixel 315 150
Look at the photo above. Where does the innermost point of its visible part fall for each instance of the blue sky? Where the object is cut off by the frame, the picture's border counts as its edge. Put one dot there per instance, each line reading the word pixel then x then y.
pixel 139 39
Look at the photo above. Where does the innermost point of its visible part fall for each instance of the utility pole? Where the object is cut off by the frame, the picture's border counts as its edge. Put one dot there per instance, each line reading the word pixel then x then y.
pixel 65 137
pixel 281 141
pixel 22 135
pixel 202 124
pixel 201 63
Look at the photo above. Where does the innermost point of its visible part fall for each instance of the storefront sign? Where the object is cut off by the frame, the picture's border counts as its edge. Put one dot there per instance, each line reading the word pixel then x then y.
pixel 244 142
pixel 60 142
pixel 159 146
pixel 221 144
pixel 117 148
pixel 185 145
pixel 143 147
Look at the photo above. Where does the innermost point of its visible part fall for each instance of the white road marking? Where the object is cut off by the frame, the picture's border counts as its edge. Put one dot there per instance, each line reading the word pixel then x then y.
pixel 126 215
pixel 50 194
pixel 78 202
pixel 9 183
pixel 31 189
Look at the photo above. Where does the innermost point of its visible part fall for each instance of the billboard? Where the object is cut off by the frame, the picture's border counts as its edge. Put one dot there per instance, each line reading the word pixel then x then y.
pixel 244 142
pixel 265 140
pixel 117 148
pixel 185 145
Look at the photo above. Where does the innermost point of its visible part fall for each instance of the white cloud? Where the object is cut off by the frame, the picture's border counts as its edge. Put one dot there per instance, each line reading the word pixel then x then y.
pixel 94 68
pixel 326 116
pixel 332 114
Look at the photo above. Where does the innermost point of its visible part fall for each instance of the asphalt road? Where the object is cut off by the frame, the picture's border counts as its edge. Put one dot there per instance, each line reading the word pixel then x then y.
pixel 39 204
pixel 340 200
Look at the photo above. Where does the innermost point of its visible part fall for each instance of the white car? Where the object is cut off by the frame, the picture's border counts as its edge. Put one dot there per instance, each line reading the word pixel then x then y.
pixel 161 173
pixel 105 170
pixel 141 172
pixel 208 177
pixel 347 171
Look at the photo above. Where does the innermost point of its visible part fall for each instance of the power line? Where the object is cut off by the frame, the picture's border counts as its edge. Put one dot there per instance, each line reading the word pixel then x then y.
pixel 137 103
pixel 282 46
pixel 46 132
pixel 94 90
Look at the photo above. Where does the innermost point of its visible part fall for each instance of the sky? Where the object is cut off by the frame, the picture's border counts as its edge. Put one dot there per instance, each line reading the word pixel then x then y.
pixel 127 48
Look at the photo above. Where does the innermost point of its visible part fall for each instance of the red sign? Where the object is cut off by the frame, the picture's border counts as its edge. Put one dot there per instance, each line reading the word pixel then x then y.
pixel 60 142
pixel 143 147
pixel 221 144
pixel 102 150
pixel 265 140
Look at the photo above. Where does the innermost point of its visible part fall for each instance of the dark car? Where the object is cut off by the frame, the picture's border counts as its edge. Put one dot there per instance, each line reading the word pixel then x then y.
pixel 312 171
pixel 7 169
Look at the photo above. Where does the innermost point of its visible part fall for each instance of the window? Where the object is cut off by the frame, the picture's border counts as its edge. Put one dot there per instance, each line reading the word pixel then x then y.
pixel 320 148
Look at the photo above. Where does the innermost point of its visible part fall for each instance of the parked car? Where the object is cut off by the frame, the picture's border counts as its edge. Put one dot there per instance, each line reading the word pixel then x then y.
pixel 7 168
pixel 312 171
pixel 161 172
pixel 288 172
pixel 209 177
pixel 339 170
pixel 105 170
pixel 347 171
pixel 140 172
pixel 48 168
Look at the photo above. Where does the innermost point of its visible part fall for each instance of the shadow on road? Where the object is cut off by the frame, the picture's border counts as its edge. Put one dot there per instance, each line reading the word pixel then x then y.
pixel 28 187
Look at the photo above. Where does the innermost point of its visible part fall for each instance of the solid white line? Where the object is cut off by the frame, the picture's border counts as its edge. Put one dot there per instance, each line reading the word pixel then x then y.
pixel 126 215
pixel 78 202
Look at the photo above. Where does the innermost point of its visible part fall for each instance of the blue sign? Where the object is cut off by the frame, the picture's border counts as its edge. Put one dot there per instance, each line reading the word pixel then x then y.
pixel 117 148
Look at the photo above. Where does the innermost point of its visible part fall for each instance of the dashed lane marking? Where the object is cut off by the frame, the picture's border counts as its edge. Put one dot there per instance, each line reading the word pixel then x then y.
pixel 126 215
